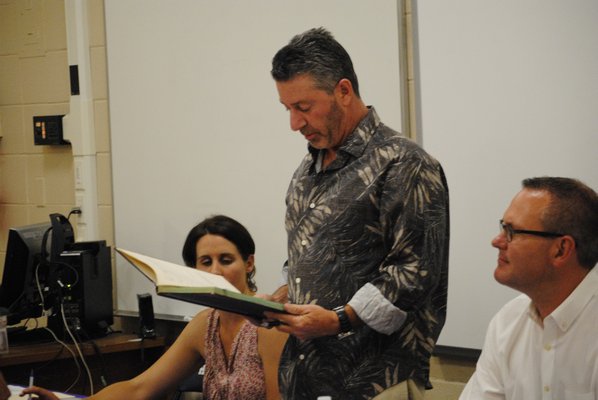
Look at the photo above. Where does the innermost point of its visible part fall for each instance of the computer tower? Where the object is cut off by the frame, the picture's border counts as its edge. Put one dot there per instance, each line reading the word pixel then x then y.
pixel 83 282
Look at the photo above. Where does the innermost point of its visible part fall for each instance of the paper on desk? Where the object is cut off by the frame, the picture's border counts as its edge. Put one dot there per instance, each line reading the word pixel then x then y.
pixel 16 390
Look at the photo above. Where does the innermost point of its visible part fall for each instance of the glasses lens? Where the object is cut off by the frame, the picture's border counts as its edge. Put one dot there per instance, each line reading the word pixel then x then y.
pixel 505 229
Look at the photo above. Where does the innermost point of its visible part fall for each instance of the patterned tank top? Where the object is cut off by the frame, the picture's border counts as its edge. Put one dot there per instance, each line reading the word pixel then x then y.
pixel 242 375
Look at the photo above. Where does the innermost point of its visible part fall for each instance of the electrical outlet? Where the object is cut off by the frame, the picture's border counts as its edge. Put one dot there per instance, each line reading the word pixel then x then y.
pixel 47 130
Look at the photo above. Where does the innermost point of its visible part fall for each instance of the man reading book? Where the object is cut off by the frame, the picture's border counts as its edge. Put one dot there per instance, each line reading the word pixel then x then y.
pixel 367 225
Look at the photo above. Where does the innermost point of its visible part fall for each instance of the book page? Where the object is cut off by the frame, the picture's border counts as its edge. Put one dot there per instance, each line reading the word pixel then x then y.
pixel 170 274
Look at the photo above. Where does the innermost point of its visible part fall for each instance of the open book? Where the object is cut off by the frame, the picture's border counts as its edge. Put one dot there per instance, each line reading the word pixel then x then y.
pixel 199 287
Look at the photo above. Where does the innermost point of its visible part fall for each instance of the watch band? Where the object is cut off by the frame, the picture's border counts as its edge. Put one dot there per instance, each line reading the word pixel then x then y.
pixel 343 318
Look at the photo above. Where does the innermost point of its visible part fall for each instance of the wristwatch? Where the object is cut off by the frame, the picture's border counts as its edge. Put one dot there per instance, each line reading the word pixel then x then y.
pixel 343 318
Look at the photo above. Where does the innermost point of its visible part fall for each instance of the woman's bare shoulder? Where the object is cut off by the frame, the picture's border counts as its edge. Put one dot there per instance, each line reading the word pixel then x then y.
pixel 271 336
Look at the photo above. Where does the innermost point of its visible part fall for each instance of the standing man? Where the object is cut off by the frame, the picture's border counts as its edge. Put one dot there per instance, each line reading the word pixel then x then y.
pixel 544 343
pixel 368 233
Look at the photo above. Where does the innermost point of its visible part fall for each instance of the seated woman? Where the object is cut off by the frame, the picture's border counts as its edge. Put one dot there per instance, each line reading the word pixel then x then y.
pixel 241 359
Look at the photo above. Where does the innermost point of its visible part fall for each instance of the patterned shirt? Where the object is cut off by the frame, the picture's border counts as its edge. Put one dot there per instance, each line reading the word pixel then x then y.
pixel 239 377
pixel 371 230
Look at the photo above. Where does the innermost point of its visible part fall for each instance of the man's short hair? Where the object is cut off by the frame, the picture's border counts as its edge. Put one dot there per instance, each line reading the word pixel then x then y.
pixel 573 210
pixel 316 53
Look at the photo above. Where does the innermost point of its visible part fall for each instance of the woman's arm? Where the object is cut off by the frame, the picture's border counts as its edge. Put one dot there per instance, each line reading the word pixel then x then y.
pixel 270 343
pixel 179 361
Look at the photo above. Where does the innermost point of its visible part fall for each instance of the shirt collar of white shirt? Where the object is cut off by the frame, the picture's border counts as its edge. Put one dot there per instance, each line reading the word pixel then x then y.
pixel 569 310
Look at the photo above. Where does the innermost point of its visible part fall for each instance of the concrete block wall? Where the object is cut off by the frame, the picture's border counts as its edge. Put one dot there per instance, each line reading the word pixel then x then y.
pixel 36 181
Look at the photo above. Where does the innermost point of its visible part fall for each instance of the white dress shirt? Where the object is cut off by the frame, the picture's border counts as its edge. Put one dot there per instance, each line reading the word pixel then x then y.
pixel 525 359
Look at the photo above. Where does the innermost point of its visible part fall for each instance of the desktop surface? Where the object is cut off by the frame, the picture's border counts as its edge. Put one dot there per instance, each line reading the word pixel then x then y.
pixel 113 358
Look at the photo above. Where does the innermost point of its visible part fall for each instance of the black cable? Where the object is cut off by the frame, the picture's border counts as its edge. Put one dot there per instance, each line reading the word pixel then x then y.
pixel 102 364
pixel 54 358
pixel 14 304
pixel 142 351
pixel 61 350
pixel 73 269
pixel 111 331
pixel 44 252
pixel 76 211
pixel 78 348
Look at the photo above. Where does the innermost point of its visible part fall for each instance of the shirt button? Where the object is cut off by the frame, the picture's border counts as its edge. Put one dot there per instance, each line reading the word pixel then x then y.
pixel 547 388
pixel 312 205
pixel 297 280
pixel 303 242
pixel 302 356
pixel 547 347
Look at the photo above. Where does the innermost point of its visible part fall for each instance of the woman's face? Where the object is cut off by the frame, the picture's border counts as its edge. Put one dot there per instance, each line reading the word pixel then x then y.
pixel 219 256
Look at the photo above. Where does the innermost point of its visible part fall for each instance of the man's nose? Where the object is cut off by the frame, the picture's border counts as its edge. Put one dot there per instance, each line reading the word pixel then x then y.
pixel 297 120
pixel 499 241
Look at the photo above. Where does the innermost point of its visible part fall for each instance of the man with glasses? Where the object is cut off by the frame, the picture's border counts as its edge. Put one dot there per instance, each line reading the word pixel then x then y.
pixel 367 224
pixel 544 343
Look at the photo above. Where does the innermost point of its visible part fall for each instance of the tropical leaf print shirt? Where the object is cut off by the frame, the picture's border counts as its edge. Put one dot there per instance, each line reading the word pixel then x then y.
pixel 370 230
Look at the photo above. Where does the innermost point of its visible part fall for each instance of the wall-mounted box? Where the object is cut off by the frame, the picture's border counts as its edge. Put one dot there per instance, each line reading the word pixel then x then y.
pixel 47 130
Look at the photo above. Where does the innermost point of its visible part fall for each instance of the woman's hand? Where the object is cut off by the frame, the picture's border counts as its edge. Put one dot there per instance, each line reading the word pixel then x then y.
pixel 41 393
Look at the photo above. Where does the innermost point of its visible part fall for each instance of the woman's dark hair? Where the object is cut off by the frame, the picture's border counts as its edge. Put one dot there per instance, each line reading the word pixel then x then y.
pixel 229 229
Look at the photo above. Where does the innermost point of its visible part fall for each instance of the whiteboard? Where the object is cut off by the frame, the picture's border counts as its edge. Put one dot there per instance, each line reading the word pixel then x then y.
pixel 508 90
pixel 196 125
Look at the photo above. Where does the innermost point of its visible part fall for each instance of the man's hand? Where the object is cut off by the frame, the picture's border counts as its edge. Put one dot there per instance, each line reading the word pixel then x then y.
pixel 281 295
pixel 266 322
pixel 306 321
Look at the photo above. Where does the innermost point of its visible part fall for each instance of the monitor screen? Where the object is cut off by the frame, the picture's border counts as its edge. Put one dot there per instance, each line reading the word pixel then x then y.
pixel 24 273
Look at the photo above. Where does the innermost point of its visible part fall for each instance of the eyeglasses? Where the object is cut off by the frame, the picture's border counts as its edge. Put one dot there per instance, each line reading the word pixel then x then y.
pixel 508 231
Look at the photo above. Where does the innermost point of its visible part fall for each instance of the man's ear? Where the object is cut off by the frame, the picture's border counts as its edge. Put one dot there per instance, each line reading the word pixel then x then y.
pixel 564 250
pixel 344 91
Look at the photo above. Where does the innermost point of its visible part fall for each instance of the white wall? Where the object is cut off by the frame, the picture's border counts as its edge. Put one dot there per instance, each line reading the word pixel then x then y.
pixel 508 90
pixel 196 124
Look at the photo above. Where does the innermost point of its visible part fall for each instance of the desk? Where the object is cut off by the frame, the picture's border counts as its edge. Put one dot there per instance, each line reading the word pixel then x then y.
pixel 120 356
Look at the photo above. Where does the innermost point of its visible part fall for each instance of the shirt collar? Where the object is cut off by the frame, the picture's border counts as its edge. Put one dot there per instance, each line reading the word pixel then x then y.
pixel 355 144
pixel 570 309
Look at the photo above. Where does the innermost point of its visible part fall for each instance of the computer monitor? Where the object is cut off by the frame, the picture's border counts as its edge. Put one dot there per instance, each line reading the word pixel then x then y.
pixel 25 272
pixel 45 269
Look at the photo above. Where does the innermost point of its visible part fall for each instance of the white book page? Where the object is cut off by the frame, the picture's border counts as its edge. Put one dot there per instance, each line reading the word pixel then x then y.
pixel 171 274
